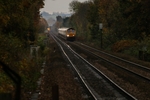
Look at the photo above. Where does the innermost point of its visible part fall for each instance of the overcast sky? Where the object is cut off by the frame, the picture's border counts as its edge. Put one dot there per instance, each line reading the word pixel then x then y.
pixel 57 6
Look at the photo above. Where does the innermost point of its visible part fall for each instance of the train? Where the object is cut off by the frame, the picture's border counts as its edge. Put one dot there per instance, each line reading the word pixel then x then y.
pixel 68 33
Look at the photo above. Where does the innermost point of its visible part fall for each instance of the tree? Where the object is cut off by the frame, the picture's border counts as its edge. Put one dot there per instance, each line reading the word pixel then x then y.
pixel 94 19
pixel 20 17
pixel 17 18
pixel 59 21
pixel 74 6
pixel 79 19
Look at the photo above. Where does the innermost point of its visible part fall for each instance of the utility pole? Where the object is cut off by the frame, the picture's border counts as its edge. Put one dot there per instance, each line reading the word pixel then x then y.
pixel 101 34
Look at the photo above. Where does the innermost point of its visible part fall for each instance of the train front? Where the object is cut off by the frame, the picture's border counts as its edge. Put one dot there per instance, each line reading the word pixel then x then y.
pixel 71 34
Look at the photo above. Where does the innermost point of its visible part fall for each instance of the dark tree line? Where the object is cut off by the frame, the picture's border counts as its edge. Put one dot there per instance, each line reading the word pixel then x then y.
pixel 20 18
pixel 122 20
pixel 19 21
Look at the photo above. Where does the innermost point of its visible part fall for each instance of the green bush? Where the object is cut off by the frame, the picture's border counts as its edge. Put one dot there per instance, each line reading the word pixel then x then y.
pixel 14 54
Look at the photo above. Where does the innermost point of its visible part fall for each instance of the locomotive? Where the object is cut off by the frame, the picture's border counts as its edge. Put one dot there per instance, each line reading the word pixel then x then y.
pixel 68 33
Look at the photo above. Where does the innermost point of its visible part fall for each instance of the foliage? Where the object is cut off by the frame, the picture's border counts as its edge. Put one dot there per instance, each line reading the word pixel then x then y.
pixel 66 22
pixel 19 22
pixel 94 20
pixel 58 22
pixel 13 54
pixel 144 45
pixel 79 19
pixel 42 42
pixel 122 20
pixel 74 6
pixel 43 25
pixel 123 44
pixel 20 17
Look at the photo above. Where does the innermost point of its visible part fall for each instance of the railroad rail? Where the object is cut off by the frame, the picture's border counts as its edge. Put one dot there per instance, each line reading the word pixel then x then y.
pixel 137 69
pixel 124 64
pixel 98 85
pixel 140 80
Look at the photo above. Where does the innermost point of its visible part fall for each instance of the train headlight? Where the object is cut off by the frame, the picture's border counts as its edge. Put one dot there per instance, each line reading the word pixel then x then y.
pixel 67 35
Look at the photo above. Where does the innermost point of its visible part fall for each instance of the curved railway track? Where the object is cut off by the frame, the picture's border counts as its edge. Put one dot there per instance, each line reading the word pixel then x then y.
pixel 132 73
pixel 98 85
pixel 140 69
pixel 133 77
pixel 136 69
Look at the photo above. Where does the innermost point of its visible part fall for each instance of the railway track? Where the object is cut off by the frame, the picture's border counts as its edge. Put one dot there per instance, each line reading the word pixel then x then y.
pixel 134 72
pixel 141 70
pixel 97 85
pixel 136 69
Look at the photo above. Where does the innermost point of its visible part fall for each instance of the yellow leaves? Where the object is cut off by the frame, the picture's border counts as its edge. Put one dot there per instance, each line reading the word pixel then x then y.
pixel 4 19
pixel 6 88
pixel 105 30
pixel 101 11
pixel 46 50
pixel 5 83
pixel 4 56
pixel 123 44
pixel 25 3
pixel 23 64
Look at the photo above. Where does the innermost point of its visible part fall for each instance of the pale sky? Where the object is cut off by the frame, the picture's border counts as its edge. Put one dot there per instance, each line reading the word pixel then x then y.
pixel 57 6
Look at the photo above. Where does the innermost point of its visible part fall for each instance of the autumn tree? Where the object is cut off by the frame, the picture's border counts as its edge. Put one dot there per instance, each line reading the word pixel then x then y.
pixel 66 22
pixel 20 17
pixel 79 19
pixel 94 19
pixel 19 20
pixel 123 20
pixel 136 17
pixel 144 22
pixel 59 21
pixel 74 6
pixel 43 25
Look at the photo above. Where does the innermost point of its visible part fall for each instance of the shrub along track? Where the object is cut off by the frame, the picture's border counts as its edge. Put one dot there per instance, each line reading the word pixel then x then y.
pixel 56 72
